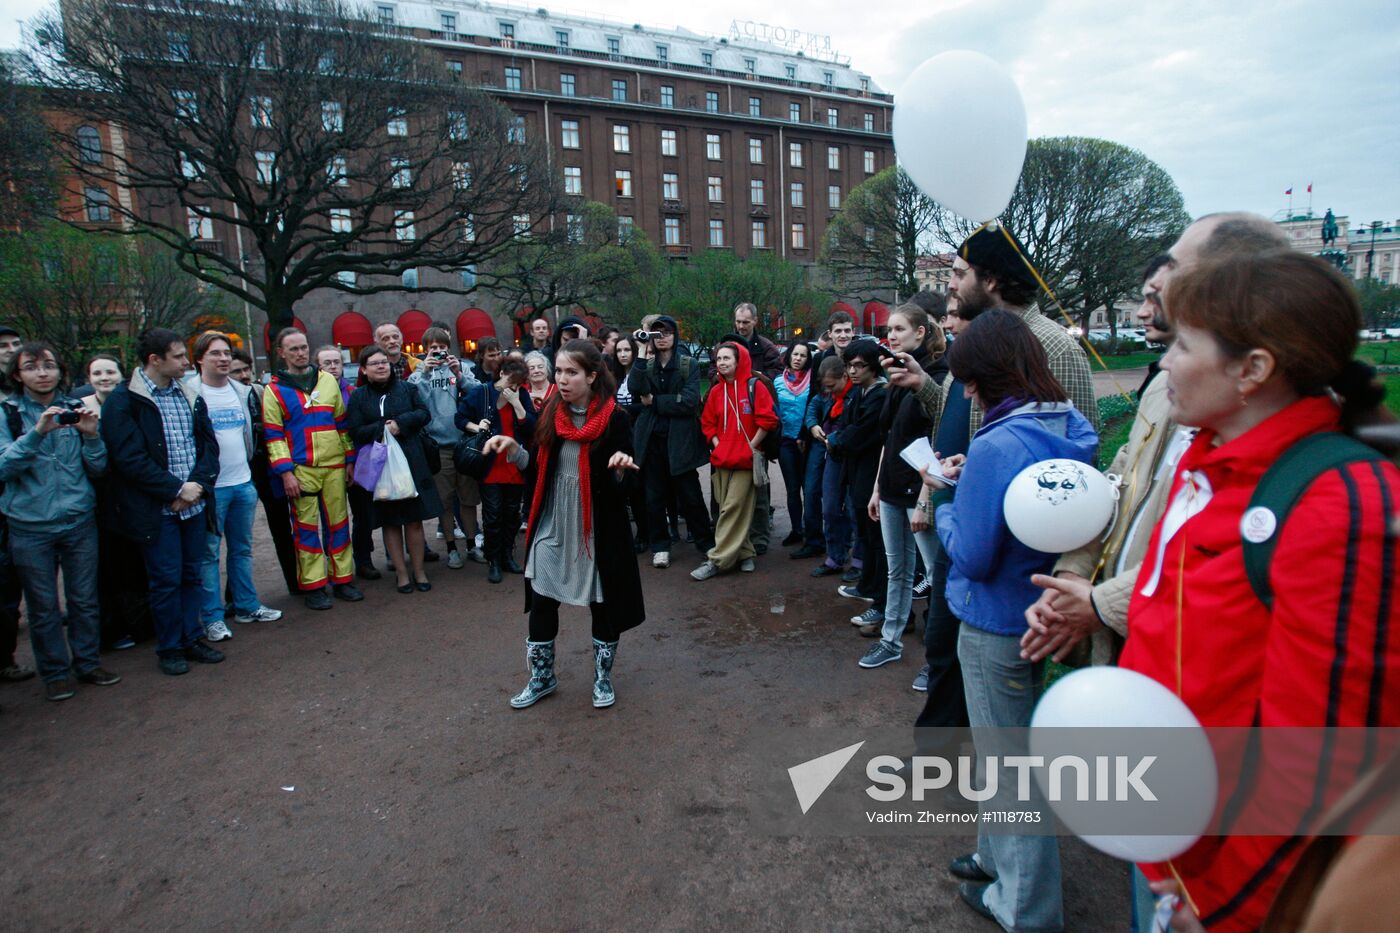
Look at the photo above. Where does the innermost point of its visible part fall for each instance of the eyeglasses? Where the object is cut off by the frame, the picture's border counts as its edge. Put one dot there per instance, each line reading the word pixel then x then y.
pixel 857 365
pixel 39 368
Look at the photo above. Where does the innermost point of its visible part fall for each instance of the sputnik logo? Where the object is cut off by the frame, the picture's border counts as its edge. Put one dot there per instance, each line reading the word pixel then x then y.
pixel 811 778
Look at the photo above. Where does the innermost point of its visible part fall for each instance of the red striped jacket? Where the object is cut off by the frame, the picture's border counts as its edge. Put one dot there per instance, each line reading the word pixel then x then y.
pixel 1321 657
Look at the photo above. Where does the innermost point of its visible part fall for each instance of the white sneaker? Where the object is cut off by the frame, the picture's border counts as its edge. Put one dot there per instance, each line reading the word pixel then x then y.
pixel 746 565
pixel 459 534
pixel 260 614
pixel 479 541
pixel 217 631
pixel 439 534
pixel 661 559
pixel 454 559
pixel 475 554
pixel 704 571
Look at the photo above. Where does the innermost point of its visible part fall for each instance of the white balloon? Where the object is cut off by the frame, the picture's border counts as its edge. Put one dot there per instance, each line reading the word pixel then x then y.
pixel 1116 698
pixel 1058 505
pixel 960 132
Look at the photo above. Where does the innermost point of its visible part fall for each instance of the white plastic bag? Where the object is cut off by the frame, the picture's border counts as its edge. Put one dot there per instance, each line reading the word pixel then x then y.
pixel 396 482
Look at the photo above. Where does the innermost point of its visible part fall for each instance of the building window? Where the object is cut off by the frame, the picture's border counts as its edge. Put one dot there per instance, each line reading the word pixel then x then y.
pixel 755 106
pixel 512 79
pixel 568 85
pixel 267 166
pixel 520 223
pixel 619 86
pixel 189 168
pixel 386 14
pixel 831 116
pixel 757 196
pixel 200 226
pixel 186 105
pixel 568 134
pixel 507 31
pixel 448 21
pixel 456 125
pixel 468 274
pixel 624 229
pixel 791 72
pixel 708 60
pixel 799 195
pixel 402 176
pixel 337 172
pixel 398 122
pixel 671 231
pixel 869 162
pixel 663 54
pixel 755 151
pixel 795 155
pixel 346 278
pixel 799 236
pixel 561 41
pixel 516 132
pixel 622 138
pixel 522 177
pixel 712 101
pixel 614 47
pixel 573 179
pixel 716 233
pixel 573 228
pixel 795 113
pixel 668 142
pixel 403 226
pixel 622 180
pixel 454 68
pixel 865 85
pixel 712 150
pixel 469 229
pixel 332 116
pixel 868 121
pixel 833 197
pixel 833 158
pixel 409 278
pixel 760 234
pixel 260 112
pixel 750 66
pixel 461 175
pixel 90 146
pixel 668 96
pixel 714 188
pixel 670 186
pixel 828 78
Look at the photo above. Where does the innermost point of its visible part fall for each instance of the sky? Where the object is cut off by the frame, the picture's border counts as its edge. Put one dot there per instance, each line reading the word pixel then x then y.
pixel 1237 101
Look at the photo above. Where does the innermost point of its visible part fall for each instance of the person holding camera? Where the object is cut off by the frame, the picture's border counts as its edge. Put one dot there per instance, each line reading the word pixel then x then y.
pixel 443 380
pixel 49 452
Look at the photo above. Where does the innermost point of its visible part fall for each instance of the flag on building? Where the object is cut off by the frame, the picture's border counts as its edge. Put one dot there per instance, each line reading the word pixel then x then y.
pixel 1289 192
pixel 1309 187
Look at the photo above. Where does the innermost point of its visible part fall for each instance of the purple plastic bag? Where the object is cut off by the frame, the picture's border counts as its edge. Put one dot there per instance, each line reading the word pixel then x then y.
pixel 369 464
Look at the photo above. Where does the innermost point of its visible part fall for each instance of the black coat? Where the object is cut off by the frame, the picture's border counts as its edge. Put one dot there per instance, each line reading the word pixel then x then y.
pixel 405 406
pixel 141 485
pixel 856 442
pixel 677 401
pixel 612 532
pixel 902 421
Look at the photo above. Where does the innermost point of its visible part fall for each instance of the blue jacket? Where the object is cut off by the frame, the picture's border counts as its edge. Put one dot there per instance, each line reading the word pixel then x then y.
pixel 989 573
pixel 792 409
pixel 47 478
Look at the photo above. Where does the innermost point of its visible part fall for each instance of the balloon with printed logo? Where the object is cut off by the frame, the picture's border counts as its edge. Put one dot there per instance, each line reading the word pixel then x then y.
pixel 960 133
pixel 1059 505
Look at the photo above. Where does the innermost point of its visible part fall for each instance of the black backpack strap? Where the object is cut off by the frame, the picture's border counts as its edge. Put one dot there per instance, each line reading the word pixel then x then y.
pixel 1279 491
pixel 12 420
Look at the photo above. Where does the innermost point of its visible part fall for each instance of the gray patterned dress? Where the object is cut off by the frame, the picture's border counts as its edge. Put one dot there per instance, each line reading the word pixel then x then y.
pixel 557 566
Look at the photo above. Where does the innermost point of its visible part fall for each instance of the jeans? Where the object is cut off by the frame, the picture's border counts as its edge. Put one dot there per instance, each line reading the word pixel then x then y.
pixel 10 596
pixel 900 544
pixel 660 484
pixel 1002 689
pixel 38 556
pixel 233 507
pixel 834 517
pixel 175 571
pixel 945 706
pixel 813 469
pixel 793 463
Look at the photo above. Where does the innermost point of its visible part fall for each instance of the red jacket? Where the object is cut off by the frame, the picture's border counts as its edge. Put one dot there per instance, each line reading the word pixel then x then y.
pixel 1320 658
pixel 729 416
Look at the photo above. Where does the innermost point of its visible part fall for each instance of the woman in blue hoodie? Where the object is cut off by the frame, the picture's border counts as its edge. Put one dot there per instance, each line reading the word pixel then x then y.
pixel 1014 880
pixel 794 388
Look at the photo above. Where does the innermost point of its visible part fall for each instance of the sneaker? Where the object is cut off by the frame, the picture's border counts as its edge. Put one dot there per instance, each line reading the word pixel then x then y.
pixel 476 555
pixel 879 655
pixel 123 643
pixel 851 576
pixel 59 689
pixel 746 565
pixel 317 599
pixel 454 559
pixel 662 559
pixel 851 591
pixel 479 541
pixel 459 534
pixel 825 570
pixel 203 654
pixel 260 614
pixel 217 631
pixel 99 677
pixel 16 672
pixel 807 550
pixel 922 587
pixel 921 682
pixel 704 571
pixel 870 616
pixel 439 533
pixel 174 665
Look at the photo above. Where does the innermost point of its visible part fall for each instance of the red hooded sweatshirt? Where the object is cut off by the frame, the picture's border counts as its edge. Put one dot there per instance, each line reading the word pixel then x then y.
pixel 729 416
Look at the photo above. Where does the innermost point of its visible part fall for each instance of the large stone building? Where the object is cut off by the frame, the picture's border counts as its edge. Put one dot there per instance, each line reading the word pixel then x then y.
pixel 1368 250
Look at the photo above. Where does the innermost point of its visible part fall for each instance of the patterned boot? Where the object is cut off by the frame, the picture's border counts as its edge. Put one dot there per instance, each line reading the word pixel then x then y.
pixel 603 654
pixel 539 659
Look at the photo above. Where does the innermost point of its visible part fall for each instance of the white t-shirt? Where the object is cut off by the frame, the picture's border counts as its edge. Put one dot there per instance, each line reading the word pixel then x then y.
pixel 230 416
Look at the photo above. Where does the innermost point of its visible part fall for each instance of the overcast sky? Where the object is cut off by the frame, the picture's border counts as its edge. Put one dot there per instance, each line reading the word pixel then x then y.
pixel 1237 101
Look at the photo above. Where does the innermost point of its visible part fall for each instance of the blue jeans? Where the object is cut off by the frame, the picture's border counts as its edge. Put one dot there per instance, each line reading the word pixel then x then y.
pixel 1001 692
pixel 175 572
pixel 834 517
pixel 38 556
pixel 793 463
pixel 233 507
pixel 900 541
pixel 812 495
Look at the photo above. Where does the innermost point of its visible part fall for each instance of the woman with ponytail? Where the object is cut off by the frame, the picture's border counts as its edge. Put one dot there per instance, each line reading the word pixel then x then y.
pixel 579 543
pixel 1263 363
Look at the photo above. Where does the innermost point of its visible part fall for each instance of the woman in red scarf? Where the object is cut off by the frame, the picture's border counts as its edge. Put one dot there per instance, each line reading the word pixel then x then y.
pixel 579 543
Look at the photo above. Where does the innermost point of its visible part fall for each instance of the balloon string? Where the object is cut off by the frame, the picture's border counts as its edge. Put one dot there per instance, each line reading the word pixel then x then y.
pixel 1181 886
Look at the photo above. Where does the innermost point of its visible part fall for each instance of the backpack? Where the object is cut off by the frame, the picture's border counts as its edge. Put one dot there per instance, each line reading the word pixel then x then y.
pixel 774 439
pixel 1282 485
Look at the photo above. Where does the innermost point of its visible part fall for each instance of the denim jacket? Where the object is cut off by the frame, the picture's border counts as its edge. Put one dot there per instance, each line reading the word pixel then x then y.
pixel 48 478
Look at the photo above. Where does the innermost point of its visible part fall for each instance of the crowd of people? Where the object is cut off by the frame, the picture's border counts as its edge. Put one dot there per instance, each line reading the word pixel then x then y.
pixel 593 445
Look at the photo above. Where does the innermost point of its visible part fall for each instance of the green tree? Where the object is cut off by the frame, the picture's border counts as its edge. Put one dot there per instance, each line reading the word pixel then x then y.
pixel 876 239
pixel 1380 303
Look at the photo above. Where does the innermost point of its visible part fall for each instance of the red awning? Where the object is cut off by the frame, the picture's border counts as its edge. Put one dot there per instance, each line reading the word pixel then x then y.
pixel 876 315
pixel 474 324
pixel 352 329
pixel 842 306
pixel 413 322
pixel 297 322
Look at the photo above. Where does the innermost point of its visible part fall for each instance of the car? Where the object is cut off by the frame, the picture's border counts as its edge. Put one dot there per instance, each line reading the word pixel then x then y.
pixel 1392 333
pixel 352 372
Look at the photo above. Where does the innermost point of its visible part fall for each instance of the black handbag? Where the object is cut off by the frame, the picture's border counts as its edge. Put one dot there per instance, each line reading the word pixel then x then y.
pixel 468 457
pixel 432 451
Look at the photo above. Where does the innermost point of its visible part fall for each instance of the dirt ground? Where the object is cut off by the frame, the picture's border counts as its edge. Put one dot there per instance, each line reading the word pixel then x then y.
pixel 361 769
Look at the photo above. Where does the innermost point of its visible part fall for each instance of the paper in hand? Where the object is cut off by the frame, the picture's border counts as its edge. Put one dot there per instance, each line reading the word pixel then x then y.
pixel 920 454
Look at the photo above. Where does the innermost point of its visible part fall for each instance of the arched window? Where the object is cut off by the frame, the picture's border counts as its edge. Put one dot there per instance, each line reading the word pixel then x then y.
pixel 89 145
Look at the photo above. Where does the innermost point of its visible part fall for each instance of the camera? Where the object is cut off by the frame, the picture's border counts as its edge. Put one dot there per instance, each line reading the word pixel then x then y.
pixel 644 336
pixel 439 355
pixel 72 415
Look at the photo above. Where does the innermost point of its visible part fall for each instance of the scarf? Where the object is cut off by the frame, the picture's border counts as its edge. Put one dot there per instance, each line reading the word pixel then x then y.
pixel 797 384
pixel 1003 408
pixel 838 403
pixel 599 413
pixel 306 381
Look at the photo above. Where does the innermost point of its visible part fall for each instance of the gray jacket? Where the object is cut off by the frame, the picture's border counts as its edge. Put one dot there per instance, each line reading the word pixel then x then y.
pixel 47 477
pixel 440 391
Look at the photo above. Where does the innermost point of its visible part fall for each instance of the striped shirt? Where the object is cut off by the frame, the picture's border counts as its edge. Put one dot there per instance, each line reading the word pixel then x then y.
pixel 177 420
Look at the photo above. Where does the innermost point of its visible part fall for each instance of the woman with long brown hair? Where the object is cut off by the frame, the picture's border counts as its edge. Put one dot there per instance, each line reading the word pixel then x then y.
pixel 579 543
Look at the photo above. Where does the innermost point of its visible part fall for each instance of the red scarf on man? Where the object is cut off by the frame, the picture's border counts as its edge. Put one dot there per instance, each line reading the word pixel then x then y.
pixel 599 413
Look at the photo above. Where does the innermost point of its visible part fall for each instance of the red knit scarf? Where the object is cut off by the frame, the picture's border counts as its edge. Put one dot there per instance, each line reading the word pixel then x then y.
pixel 599 413
pixel 839 403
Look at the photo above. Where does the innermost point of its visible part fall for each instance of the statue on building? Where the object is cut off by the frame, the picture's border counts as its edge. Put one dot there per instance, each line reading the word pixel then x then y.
pixel 1329 228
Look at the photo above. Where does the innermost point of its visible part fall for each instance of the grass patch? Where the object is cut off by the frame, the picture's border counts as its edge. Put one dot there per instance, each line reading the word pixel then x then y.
pixel 1380 353
pixel 1115 421
pixel 1132 360
pixel 1392 393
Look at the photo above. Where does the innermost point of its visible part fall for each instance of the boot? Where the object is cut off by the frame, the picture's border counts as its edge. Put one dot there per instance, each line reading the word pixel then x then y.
pixel 539 661
pixel 493 572
pixel 508 563
pixel 603 654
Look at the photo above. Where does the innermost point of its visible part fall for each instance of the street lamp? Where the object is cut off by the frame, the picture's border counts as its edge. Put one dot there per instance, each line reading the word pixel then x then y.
pixel 1371 253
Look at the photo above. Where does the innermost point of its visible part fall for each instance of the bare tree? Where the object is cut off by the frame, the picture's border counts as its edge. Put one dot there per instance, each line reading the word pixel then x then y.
pixel 339 152
pixel 27 181
pixel 170 297
pixel 876 240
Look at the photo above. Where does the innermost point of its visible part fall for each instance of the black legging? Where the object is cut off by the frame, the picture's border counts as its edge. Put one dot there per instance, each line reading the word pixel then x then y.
pixel 544 620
